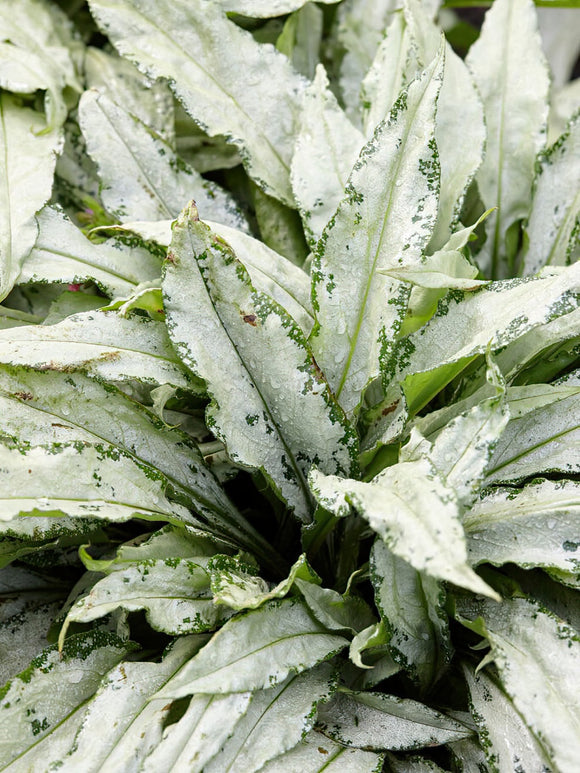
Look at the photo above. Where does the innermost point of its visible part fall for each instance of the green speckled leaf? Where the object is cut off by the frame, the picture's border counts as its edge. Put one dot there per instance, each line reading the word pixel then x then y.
pixel 511 74
pixel 554 222
pixel 274 410
pixel 538 660
pixel 257 649
pixel 358 309
pixel 198 50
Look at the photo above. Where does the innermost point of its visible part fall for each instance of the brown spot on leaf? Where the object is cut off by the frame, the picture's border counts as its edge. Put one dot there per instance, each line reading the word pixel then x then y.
pixel 251 319
pixel 24 395
pixel 390 408
pixel 322 750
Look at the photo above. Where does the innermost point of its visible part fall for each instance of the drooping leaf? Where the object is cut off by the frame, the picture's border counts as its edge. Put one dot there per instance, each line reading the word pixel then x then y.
pixel 511 74
pixel 142 177
pixel 82 480
pixel 197 49
pixel 538 660
pixel 257 649
pixel 215 316
pixel 413 511
pixel 335 611
pixel 327 147
pixel 377 721
pixel 553 223
pixel 397 170
pixel 538 525
pixel 276 720
pixel 43 704
pixel 28 157
pixel 412 607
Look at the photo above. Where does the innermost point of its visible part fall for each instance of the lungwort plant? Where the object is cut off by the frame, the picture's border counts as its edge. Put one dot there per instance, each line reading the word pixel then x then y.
pixel 289 387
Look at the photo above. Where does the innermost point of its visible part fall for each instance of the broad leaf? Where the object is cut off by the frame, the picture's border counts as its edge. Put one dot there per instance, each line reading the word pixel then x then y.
pixel 82 480
pixel 377 721
pixel 197 48
pixel 505 737
pixel 335 611
pixel 327 147
pixel 134 719
pixel 28 157
pixel 142 177
pixel 265 8
pixel 412 607
pixel 24 627
pixel 63 254
pixel 511 74
pixel 413 511
pixel 466 324
pixel 397 170
pixel 552 228
pixel 543 434
pixel 538 660
pixel 44 701
pixel 215 316
pixel 257 649
pixel 102 344
pixel 318 754
pixel 538 525
pixel 174 592
pixel 276 720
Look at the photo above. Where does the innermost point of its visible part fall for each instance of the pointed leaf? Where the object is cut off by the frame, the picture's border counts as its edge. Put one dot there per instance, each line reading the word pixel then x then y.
pixel 257 649
pixel 215 316
pixel 335 611
pixel 412 607
pixel 28 157
pixel 198 49
pixel 511 74
pixel 397 172
pixel 142 177
pixel 467 323
pixel 326 148
pixel 552 227
pixel 411 509
pixel 377 721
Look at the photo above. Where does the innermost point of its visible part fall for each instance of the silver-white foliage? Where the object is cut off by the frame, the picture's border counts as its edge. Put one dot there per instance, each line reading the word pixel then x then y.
pixel 554 222
pixel 264 9
pixel 256 650
pixel 40 704
pixel 397 172
pixel 274 411
pixel 538 660
pixel 511 74
pixel 198 50
pixel 505 736
pixel 560 41
pixel 538 525
pixel 276 720
pixel 411 604
pixel 327 147
pixel 378 721
pixel 142 177
pixel 62 253
pixel 27 159
pixel 318 754
pixel 101 344
pixel 413 511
